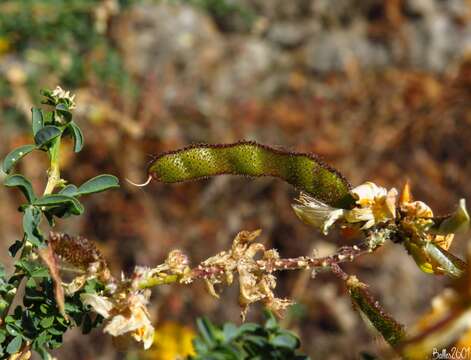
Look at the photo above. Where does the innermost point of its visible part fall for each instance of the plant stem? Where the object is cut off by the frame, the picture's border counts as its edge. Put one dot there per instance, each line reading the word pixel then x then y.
pixel 54 177
pixel 160 280
pixel 201 272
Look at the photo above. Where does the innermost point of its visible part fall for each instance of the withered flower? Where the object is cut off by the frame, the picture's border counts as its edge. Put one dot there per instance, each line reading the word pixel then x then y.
pixel 256 284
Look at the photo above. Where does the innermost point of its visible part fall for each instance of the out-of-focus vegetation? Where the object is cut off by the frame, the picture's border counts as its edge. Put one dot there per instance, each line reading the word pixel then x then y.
pixel 380 89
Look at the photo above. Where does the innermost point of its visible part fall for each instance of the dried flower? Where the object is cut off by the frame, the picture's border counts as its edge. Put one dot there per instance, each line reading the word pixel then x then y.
pixel 134 319
pixel 417 218
pixel 256 284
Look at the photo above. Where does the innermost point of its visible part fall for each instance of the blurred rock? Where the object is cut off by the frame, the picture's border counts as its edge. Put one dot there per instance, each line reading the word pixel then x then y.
pixel 153 37
pixel 336 50
pixel 248 62
pixel 434 42
pixel 289 34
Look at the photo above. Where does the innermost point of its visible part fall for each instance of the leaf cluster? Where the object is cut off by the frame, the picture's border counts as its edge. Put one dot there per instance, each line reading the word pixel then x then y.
pixel 248 341
pixel 48 130
pixel 38 323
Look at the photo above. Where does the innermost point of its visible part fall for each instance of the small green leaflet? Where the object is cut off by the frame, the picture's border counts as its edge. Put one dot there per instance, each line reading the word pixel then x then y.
pixel 77 135
pixel 14 156
pixel 98 184
pixel 31 221
pixel 63 110
pixel 14 345
pixel 46 135
pixel 37 120
pixel 304 171
pixel 59 200
pixel 23 184
pixel 69 190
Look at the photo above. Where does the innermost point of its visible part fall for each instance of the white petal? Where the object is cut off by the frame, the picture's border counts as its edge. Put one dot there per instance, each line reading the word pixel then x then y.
pixel 316 213
pixel 100 304
pixel 121 325
pixel 359 214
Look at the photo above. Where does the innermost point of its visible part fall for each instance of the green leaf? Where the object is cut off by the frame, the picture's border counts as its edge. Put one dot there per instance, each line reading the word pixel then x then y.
pixel 69 190
pixel 63 110
pixel 14 345
pixel 46 135
pixel 303 170
pixel 230 332
pixel 285 340
pixel 77 135
pixel 40 272
pixel 13 157
pixel 23 184
pixel 270 324
pixel 47 322
pixel 451 265
pixel 37 120
pixel 71 204
pixel 2 336
pixel 249 327
pixel 207 331
pixel 31 221
pixel 13 249
pixel 98 184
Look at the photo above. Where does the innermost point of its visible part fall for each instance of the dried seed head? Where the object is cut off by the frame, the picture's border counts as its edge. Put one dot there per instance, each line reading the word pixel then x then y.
pixel 75 250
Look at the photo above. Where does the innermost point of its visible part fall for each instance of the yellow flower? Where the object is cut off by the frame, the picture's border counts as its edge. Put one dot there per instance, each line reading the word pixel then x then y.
pixel 4 45
pixel 376 205
pixel 172 341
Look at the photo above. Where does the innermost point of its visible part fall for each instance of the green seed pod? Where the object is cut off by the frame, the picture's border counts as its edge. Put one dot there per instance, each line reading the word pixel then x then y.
pixel 304 171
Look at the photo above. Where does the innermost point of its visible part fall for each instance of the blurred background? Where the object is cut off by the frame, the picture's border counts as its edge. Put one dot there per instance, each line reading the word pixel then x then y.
pixel 380 89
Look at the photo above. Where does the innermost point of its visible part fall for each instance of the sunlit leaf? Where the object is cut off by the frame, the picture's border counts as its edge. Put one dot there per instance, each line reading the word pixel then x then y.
pixel 449 263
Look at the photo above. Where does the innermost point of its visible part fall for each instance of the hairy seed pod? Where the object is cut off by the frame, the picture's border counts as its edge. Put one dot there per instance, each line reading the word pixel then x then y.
pixel 304 171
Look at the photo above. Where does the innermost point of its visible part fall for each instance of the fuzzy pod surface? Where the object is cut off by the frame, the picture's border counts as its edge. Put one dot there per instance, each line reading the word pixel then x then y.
pixel 304 171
